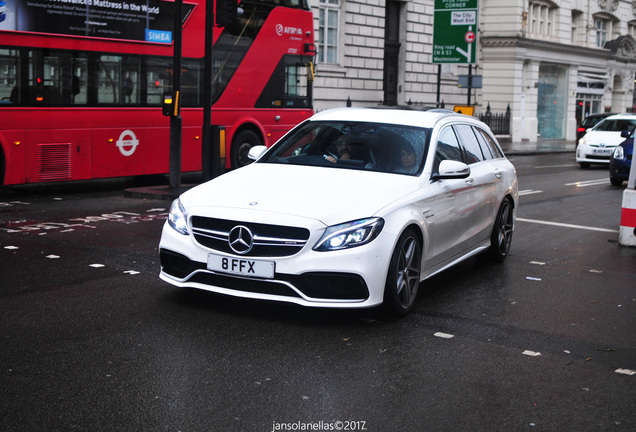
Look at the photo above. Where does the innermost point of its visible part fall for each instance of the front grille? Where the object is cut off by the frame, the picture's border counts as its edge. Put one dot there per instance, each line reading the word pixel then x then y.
pixel 269 240
pixel 178 265
pixel 597 157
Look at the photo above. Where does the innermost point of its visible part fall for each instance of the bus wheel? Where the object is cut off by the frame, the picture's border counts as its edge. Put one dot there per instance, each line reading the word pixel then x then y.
pixel 241 145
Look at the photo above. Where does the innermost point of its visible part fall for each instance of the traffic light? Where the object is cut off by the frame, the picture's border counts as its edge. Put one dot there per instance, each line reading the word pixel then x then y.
pixel 226 12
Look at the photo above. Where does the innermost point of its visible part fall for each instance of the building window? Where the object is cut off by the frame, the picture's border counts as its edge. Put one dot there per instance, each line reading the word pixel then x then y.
pixel 541 19
pixel 603 27
pixel 329 18
pixel 631 29
pixel 577 23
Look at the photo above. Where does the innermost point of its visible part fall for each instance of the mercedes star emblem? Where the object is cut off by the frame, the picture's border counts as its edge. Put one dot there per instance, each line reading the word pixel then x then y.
pixel 241 239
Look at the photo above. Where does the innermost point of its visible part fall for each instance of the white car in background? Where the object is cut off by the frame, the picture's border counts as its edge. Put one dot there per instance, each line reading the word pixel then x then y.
pixel 598 143
pixel 352 208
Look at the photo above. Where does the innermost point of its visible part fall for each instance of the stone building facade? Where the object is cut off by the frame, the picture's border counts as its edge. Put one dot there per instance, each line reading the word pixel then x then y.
pixel 550 62
pixel 354 38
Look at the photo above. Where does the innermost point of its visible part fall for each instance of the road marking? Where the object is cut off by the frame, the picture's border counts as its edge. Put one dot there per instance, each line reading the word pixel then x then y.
pixel 589 183
pixel 529 192
pixel 556 166
pixel 564 225
pixel 444 335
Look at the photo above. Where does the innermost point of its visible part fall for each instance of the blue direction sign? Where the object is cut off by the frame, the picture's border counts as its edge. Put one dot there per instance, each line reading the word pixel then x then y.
pixel 455 31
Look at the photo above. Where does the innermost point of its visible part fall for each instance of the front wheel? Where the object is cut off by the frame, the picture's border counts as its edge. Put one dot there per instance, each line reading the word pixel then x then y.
pixel 616 181
pixel 501 237
pixel 241 145
pixel 403 278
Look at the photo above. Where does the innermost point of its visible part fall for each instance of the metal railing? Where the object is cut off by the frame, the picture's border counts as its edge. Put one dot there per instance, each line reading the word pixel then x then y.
pixel 498 123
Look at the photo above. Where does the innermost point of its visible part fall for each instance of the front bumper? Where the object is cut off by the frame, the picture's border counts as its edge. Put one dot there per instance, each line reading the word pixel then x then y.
pixel 590 154
pixel 350 278
pixel 619 169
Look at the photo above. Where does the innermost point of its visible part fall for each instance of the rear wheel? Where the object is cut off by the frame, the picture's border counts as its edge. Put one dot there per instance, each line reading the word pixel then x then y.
pixel 403 278
pixel 501 237
pixel 241 145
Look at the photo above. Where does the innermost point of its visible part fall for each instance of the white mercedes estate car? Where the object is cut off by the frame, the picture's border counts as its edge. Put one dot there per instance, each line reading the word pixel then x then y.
pixel 352 208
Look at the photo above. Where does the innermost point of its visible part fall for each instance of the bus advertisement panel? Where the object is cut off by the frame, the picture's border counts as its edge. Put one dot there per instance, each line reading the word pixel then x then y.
pixel 140 20
pixel 85 102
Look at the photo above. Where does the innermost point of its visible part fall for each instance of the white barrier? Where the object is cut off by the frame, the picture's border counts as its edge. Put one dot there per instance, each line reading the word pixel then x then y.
pixel 627 235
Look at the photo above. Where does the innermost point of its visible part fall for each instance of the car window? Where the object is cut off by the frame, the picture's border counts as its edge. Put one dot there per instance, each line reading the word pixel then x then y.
pixel 588 122
pixel 447 148
pixel 488 145
pixel 353 145
pixel 472 150
pixel 615 125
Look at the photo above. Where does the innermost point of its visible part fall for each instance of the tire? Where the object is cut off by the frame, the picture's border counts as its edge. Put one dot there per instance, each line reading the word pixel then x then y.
pixel 403 278
pixel 616 182
pixel 501 237
pixel 241 145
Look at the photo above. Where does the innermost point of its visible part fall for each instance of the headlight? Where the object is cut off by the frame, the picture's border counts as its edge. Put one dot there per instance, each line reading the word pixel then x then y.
pixel 350 234
pixel 178 218
pixel 619 153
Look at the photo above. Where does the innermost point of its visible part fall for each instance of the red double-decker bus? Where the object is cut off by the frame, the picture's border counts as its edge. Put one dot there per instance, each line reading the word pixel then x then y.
pixel 82 84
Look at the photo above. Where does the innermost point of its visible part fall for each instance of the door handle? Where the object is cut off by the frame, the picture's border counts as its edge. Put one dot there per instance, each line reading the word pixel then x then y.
pixel 470 180
pixel 498 173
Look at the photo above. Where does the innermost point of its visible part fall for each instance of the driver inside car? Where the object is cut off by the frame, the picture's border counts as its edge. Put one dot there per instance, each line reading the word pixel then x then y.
pixel 346 148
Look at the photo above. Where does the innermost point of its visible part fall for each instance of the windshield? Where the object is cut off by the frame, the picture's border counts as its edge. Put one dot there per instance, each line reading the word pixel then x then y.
pixel 353 145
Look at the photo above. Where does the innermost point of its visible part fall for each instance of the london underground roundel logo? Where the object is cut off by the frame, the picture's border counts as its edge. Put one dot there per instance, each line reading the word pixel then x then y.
pixel 127 142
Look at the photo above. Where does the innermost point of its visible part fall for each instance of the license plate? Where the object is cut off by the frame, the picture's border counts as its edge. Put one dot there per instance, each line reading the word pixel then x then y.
pixel 241 266
pixel 604 152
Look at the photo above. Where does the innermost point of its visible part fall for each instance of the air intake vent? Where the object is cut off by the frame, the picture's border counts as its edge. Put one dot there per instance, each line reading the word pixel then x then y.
pixel 54 162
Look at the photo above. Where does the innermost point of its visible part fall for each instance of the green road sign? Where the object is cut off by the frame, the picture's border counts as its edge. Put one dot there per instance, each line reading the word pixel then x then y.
pixel 455 31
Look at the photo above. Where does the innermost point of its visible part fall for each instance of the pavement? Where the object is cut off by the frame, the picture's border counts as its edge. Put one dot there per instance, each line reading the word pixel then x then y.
pixel 533 148
pixel 165 192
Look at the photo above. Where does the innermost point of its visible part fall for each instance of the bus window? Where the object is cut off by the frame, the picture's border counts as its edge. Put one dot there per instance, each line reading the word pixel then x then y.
pixel 9 93
pixel 118 80
pixel 79 77
pixel 54 78
pixel 159 80
pixel 288 86
pixel 191 83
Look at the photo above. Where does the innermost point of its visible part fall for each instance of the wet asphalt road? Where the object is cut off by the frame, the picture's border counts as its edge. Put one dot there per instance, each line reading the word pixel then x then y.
pixel 93 340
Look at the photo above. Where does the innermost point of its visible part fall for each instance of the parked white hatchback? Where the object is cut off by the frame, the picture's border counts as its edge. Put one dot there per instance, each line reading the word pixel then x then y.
pixel 598 144
pixel 352 208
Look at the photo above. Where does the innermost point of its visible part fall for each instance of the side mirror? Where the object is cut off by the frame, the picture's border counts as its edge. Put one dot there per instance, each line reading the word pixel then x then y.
pixel 256 152
pixel 450 169
pixel 625 133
